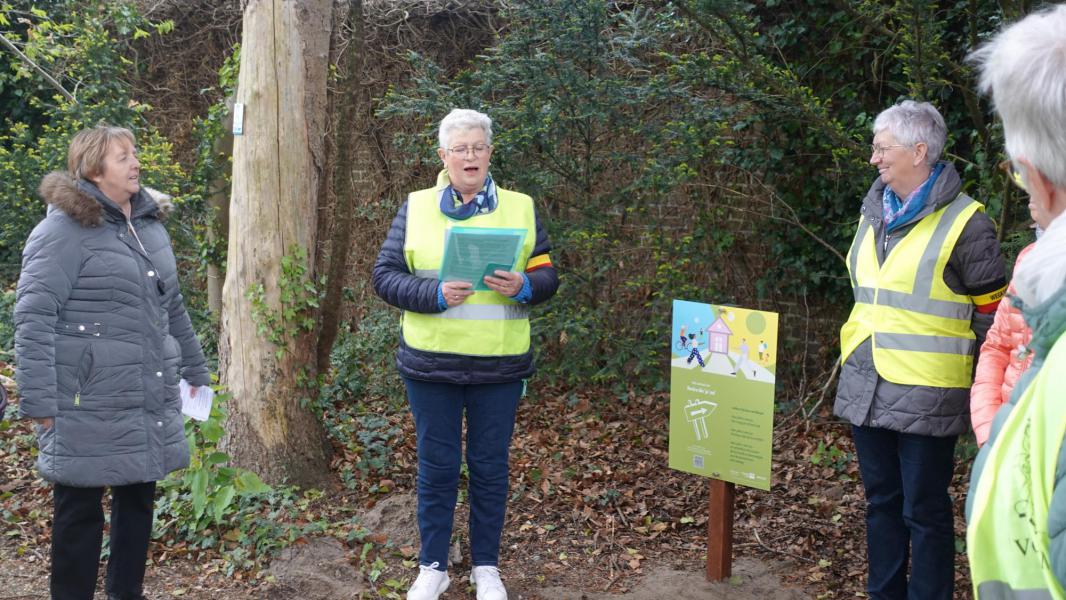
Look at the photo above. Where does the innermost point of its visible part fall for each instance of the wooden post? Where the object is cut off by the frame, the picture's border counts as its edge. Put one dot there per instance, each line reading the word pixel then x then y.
pixel 720 531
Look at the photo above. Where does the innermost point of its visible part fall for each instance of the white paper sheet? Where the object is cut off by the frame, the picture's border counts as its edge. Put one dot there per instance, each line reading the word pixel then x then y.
pixel 198 406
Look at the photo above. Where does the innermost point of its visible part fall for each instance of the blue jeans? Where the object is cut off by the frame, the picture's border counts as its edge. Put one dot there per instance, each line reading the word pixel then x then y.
pixel 490 416
pixel 908 513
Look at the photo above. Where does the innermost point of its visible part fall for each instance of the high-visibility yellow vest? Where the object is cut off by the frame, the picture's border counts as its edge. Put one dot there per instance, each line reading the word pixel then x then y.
pixel 487 323
pixel 920 329
pixel 1007 537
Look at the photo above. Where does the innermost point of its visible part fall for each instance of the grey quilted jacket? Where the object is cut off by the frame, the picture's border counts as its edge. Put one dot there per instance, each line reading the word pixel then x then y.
pixel 102 338
pixel 974 268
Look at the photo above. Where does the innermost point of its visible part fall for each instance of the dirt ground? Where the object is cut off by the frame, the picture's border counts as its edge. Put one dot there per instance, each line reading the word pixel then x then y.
pixel 322 570
pixel 594 514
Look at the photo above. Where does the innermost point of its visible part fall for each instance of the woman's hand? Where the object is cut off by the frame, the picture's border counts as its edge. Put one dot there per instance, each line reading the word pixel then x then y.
pixel 505 282
pixel 46 422
pixel 456 292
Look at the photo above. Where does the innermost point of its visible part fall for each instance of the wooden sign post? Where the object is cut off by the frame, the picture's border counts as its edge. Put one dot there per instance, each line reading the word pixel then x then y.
pixel 720 531
pixel 722 378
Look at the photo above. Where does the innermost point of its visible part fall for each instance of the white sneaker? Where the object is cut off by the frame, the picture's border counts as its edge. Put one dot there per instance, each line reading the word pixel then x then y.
pixel 430 584
pixel 487 582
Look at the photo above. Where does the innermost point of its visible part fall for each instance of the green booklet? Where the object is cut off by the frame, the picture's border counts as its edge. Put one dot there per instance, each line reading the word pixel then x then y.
pixel 471 253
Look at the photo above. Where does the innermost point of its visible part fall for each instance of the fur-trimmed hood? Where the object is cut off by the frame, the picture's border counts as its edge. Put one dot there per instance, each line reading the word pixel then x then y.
pixel 83 202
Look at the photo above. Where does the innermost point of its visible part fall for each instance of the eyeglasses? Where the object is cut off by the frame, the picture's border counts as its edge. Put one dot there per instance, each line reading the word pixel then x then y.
pixel 479 150
pixel 1015 175
pixel 876 150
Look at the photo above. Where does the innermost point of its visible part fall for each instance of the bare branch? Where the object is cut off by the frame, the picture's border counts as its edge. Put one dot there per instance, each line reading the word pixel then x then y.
pixel 47 76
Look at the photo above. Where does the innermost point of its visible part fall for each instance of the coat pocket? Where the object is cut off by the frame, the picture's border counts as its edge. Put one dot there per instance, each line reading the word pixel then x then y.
pixel 85 369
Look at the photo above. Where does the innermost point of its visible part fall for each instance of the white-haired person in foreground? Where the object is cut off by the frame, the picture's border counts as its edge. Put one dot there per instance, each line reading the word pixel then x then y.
pixel 1016 509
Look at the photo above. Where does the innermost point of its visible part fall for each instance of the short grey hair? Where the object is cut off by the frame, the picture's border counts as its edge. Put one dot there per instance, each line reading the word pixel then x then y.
pixel 1024 69
pixel 912 122
pixel 464 119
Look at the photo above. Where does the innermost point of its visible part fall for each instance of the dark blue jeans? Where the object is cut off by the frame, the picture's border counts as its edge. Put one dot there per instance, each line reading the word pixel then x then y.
pixel 908 513
pixel 438 410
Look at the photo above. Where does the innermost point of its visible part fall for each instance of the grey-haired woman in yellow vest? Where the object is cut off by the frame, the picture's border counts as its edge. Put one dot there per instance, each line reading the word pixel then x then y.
pixel 927 275
pixel 464 348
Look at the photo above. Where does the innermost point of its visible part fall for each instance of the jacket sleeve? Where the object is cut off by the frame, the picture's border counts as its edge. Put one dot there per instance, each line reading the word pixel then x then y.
pixel 978 265
pixel 986 396
pixel 393 281
pixel 193 366
pixel 543 278
pixel 1056 522
pixel 51 262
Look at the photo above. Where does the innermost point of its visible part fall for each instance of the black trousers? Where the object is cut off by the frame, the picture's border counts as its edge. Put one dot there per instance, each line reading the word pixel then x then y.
pixel 77 532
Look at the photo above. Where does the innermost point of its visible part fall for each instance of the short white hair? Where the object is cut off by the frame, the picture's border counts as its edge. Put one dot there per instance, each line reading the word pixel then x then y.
pixel 464 119
pixel 1024 69
pixel 912 122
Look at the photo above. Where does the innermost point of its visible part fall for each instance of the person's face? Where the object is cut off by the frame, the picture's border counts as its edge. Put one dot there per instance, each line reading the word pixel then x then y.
pixel 121 177
pixel 894 161
pixel 1045 202
pixel 467 160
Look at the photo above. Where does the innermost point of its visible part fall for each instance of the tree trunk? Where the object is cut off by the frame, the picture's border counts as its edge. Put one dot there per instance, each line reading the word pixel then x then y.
pixel 354 98
pixel 267 355
pixel 218 204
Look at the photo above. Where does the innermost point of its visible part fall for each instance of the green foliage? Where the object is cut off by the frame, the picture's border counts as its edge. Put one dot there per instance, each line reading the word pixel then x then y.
pixel 82 44
pixel 212 505
pixel 299 297
pixel 7 325
pixel 363 363
pixel 648 135
pixel 591 121
pixel 203 494
pixel 360 394
pixel 831 456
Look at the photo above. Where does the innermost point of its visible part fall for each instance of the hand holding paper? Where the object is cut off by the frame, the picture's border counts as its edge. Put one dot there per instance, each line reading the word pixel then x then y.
pixel 196 400
pixel 456 292
pixel 505 282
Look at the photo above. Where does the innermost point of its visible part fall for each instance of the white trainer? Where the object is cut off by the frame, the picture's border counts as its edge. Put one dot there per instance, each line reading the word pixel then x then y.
pixel 430 584
pixel 486 580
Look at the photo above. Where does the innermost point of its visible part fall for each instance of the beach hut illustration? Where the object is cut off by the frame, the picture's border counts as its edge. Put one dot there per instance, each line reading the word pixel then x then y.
pixel 719 334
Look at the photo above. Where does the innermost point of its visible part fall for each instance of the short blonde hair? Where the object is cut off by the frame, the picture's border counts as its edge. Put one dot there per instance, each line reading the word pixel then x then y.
pixel 88 147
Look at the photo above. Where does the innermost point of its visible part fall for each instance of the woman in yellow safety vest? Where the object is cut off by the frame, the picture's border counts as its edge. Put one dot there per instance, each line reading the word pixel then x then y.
pixel 464 260
pixel 927 275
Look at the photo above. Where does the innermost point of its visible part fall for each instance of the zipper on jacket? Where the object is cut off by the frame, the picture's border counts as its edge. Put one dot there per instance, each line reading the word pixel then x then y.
pixel 129 226
pixel 87 353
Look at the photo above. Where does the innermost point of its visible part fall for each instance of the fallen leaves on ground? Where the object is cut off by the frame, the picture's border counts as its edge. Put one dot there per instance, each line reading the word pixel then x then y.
pixel 593 503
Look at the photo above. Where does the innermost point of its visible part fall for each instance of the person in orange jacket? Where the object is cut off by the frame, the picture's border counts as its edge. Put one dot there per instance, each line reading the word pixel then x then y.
pixel 1004 357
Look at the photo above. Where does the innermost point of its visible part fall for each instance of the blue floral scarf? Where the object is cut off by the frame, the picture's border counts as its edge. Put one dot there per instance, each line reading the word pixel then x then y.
pixel 899 213
pixel 452 205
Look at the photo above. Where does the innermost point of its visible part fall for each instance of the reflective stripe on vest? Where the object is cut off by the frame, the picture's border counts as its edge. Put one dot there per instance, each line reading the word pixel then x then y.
pixel 1007 536
pixel 921 329
pixel 487 323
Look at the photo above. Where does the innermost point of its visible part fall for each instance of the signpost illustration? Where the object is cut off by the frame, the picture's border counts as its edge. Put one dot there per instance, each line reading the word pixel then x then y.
pixel 722 376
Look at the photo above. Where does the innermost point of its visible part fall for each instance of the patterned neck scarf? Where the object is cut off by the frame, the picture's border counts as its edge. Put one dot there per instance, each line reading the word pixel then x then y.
pixel 899 213
pixel 452 205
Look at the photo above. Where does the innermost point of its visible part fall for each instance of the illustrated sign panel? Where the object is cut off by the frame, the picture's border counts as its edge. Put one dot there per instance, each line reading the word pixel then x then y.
pixel 722 374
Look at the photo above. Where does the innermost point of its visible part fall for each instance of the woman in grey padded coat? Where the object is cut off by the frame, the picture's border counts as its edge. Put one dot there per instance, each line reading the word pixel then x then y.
pixel 102 338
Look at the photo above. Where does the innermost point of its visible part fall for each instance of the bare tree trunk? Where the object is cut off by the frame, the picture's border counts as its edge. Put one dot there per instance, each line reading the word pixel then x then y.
pixel 276 167
pixel 218 204
pixel 354 98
